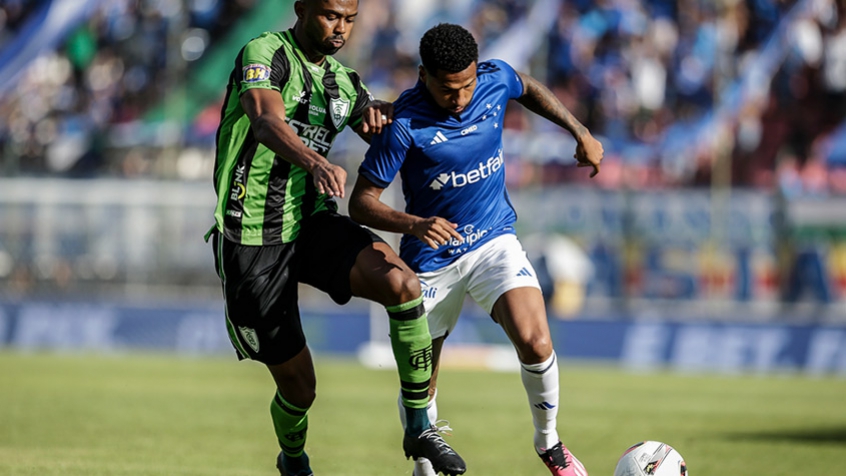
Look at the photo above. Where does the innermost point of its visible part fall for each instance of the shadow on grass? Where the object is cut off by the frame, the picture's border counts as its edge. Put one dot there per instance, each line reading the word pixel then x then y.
pixel 834 436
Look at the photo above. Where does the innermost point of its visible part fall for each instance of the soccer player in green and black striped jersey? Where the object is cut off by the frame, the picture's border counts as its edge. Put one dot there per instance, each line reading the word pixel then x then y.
pixel 277 224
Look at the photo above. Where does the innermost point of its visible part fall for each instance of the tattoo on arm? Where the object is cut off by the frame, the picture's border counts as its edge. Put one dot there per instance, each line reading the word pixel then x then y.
pixel 540 100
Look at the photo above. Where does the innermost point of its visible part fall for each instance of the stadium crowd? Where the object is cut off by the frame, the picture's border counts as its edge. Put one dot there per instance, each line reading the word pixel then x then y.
pixel 674 87
pixel 650 73
pixel 106 72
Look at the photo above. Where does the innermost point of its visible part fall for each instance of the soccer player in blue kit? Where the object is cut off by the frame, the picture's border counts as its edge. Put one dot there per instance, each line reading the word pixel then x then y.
pixel 458 223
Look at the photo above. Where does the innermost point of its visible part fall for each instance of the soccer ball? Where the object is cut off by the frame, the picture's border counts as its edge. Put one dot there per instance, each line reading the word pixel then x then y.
pixel 651 458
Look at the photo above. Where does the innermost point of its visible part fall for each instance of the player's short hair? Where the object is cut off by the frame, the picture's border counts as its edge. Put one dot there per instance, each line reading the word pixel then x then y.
pixel 449 48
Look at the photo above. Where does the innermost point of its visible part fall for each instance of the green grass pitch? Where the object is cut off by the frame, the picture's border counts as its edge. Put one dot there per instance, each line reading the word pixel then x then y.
pixel 163 415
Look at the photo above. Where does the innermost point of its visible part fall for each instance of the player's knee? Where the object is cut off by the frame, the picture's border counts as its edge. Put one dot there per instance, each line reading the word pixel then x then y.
pixel 306 397
pixel 300 396
pixel 535 348
pixel 310 397
pixel 403 287
pixel 410 285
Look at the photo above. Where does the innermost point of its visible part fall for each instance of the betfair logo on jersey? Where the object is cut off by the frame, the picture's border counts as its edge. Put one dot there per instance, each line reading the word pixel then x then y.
pixel 254 73
pixel 458 180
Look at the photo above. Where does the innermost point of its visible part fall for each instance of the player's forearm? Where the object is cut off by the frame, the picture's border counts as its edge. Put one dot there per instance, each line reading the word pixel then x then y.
pixel 370 211
pixel 275 134
pixel 540 100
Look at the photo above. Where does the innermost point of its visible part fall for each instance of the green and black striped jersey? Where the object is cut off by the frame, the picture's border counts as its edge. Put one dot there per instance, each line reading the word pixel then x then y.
pixel 263 198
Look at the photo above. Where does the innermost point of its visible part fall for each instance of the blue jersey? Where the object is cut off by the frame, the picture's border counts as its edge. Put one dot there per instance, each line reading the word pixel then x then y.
pixel 451 166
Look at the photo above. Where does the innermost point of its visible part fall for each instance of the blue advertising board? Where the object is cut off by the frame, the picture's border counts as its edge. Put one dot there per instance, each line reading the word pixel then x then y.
pixel 723 346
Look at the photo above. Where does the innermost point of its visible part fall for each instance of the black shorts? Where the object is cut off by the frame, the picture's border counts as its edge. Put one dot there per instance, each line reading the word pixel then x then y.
pixel 260 283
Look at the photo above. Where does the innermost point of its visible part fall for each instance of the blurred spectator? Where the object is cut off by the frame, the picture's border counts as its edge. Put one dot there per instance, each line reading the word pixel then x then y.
pixel 671 86
pixel 108 71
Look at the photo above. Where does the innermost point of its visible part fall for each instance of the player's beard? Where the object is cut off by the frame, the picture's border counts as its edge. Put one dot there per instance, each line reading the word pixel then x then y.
pixel 327 48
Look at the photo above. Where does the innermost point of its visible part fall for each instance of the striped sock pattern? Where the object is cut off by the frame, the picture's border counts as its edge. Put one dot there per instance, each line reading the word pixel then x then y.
pixel 291 425
pixel 412 346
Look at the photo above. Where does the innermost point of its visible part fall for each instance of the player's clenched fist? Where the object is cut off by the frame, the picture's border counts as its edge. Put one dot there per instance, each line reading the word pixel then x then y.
pixel 589 152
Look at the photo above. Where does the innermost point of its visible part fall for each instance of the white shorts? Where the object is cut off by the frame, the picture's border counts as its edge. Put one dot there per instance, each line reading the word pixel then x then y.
pixel 485 274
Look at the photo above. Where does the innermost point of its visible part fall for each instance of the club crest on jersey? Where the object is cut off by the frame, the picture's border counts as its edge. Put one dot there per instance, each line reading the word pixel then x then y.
pixel 253 73
pixel 339 108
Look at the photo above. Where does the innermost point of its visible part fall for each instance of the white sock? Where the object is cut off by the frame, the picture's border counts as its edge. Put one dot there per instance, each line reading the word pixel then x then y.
pixel 541 384
pixel 422 466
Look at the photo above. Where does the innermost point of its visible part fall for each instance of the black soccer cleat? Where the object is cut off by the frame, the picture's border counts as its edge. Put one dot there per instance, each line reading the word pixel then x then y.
pixel 431 445
pixel 282 463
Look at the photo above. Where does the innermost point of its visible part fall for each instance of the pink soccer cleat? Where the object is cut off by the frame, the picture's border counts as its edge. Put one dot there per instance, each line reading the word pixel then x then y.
pixel 561 462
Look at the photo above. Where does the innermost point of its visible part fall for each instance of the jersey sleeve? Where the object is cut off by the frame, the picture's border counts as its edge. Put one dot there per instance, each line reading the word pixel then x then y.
pixel 363 99
pixel 260 67
pixel 386 155
pixel 510 77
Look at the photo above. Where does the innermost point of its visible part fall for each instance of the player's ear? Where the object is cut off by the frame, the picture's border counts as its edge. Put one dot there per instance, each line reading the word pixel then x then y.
pixel 299 8
pixel 422 73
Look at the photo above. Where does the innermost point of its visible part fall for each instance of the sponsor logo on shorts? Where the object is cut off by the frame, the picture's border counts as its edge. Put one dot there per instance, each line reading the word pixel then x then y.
pixel 429 292
pixel 524 272
pixel 253 73
pixel 250 337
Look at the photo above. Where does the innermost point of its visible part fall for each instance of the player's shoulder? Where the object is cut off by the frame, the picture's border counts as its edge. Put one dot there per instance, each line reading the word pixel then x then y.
pixel 337 67
pixel 493 67
pixel 409 104
pixel 267 45
pixel 269 39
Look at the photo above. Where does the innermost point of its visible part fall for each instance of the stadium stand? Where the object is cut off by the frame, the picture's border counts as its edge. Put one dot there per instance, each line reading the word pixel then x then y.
pixel 689 98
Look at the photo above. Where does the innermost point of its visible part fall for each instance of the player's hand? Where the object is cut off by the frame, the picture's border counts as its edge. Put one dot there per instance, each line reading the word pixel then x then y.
pixel 329 179
pixel 377 115
pixel 436 231
pixel 589 153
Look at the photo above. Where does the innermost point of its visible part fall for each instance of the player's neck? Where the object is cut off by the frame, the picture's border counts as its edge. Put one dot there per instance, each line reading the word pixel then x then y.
pixel 311 53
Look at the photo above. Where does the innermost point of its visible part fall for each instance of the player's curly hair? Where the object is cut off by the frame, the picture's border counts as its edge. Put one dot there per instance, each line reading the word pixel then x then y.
pixel 449 48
